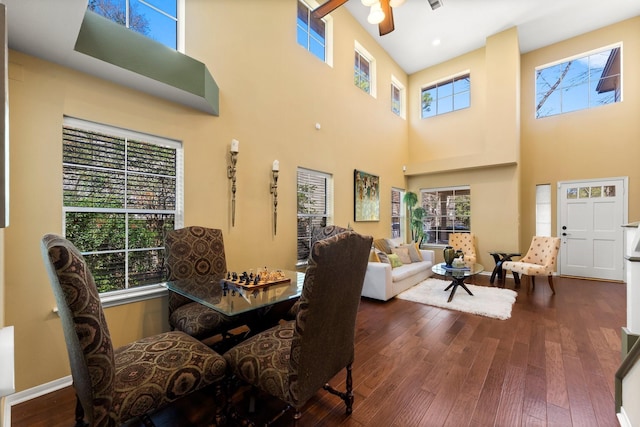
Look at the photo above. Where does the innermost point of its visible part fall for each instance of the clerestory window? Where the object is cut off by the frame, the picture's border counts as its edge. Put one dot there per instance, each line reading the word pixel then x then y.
pixel 585 81
pixel 122 191
pixel 312 32
pixel 445 96
pixel 156 19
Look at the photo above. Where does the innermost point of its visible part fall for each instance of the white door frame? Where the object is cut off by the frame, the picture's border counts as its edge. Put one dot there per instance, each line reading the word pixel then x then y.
pixel 625 211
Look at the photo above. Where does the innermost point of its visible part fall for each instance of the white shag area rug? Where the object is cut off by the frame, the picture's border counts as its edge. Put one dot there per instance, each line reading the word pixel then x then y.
pixel 486 301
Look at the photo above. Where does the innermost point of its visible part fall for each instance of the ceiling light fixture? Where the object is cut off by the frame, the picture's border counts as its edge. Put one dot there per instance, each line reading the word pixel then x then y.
pixel 376 15
pixel 369 3
pixel 396 3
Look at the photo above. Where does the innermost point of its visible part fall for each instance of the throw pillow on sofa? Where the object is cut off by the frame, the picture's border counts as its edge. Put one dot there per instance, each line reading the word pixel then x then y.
pixel 403 254
pixel 395 260
pixel 414 253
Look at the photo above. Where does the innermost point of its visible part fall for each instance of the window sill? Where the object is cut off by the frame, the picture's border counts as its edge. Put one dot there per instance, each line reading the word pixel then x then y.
pixel 131 296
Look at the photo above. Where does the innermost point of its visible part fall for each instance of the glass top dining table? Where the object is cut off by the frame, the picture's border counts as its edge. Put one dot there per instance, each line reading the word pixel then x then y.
pixel 232 299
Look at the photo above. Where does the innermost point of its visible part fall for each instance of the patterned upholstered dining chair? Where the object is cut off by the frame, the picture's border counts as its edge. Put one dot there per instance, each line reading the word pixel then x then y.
pixel 540 260
pixel 295 359
pixel 466 242
pixel 317 233
pixel 114 386
pixel 189 252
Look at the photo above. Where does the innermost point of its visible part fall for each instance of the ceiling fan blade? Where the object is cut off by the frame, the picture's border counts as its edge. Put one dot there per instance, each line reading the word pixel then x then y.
pixel 386 26
pixel 326 8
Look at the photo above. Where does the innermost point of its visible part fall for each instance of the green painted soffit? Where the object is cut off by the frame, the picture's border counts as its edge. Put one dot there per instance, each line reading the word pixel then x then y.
pixel 110 42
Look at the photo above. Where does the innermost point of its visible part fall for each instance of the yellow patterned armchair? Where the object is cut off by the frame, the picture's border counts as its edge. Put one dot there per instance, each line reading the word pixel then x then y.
pixel 466 242
pixel 540 260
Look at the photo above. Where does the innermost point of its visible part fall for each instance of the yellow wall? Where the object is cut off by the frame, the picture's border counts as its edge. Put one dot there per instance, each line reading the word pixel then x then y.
pixel 476 146
pixel 272 94
pixel 594 143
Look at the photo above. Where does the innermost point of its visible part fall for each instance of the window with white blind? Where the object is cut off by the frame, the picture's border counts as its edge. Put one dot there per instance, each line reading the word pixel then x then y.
pixel 315 207
pixel 121 192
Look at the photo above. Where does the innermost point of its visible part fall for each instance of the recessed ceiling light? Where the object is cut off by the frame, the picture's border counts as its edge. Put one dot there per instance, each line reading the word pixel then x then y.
pixel 436 42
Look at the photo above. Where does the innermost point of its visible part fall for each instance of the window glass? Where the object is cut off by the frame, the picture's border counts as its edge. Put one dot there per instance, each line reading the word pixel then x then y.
pixel 315 201
pixel 446 96
pixel 311 32
pixel 156 19
pixel 447 210
pixel 397 211
pixel 362 76
pixel 582 82
pixel 120 195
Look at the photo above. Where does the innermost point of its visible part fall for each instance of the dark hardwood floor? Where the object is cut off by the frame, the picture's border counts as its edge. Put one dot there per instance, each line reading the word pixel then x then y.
pixel 551 364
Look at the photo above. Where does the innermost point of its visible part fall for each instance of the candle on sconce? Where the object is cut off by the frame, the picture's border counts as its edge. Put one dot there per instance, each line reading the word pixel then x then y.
pixel 235 146
pixel 276 166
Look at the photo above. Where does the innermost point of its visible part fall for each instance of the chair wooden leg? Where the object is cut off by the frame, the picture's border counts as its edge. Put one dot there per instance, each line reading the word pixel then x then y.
pixel 516 279
pixel 553 290
pixel 347 396
pixel 533 283
pixel 80 414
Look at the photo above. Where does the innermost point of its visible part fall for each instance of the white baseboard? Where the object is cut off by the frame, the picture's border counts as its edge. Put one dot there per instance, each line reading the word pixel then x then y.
pixel 623 419
pixel 32 393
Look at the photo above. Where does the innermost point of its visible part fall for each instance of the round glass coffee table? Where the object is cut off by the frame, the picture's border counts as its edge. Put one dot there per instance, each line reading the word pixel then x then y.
pixel 458 276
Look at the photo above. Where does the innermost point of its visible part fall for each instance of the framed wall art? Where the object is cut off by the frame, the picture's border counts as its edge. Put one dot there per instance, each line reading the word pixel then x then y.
pixel 366 195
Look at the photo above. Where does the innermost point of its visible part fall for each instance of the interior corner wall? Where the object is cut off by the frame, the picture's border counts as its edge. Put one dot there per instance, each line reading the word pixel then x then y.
pixel 476 146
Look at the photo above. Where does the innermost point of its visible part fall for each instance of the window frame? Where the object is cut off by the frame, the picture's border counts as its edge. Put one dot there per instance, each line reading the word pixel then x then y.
pixel 148 291
pixel 361 52
pixel 178 18
pixel 450 80
pixel 401 216
pixel 328 32
pixel 439 229
pixel 617 96
pixel 402 107
pixel 325 218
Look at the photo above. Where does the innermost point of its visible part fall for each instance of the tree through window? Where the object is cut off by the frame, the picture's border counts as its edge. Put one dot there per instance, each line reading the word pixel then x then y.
pixel 582 82
pixel 120 195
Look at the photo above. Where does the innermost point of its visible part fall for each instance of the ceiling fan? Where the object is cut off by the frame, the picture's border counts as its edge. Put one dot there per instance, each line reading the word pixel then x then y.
pixel 381 11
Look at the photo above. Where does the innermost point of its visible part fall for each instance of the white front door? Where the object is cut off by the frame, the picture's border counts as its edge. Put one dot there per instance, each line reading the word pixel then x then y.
pixel 590 227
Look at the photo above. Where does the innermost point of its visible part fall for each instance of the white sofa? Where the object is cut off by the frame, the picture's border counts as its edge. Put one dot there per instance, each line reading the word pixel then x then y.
pixel 383 282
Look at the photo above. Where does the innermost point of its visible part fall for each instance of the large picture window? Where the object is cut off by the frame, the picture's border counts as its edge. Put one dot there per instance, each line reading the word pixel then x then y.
pixel 315 207
pixel 121 192
pixel 582 82
pixel 447 210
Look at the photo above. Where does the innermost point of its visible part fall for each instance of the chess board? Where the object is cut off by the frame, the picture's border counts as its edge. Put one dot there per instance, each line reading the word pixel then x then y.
pixel 242 283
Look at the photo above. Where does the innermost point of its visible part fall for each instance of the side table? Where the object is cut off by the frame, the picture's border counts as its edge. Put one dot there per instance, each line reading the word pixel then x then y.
pixel 499 258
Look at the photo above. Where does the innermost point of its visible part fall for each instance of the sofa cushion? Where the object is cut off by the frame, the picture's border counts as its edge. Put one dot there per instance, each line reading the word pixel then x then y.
pixel 408 270
pixel 383 257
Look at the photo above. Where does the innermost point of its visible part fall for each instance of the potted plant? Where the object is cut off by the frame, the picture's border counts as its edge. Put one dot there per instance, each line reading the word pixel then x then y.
pixel 416 214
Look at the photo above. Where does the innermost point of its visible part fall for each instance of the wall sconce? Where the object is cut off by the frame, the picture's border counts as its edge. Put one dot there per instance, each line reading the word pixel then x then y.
pixel 274 190
pixel 231 174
